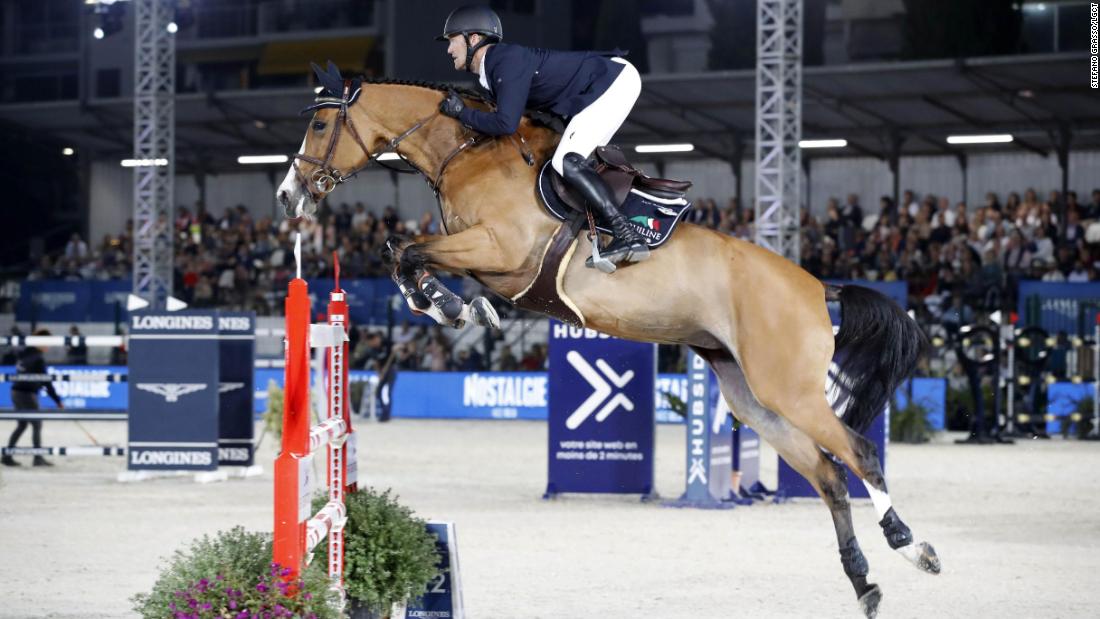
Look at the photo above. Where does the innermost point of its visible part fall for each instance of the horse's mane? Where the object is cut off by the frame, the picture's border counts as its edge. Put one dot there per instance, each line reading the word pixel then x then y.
pixel 537 118
pixel 465 92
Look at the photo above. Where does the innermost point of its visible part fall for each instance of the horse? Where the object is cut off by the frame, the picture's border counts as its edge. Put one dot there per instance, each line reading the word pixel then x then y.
pixel 760 321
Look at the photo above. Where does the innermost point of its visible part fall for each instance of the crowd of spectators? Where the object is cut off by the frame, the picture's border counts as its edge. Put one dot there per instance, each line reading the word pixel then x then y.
pixel 958 260
pixel 951 255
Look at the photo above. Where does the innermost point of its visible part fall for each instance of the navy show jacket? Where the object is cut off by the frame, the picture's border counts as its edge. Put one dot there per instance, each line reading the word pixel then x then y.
pixel 559 82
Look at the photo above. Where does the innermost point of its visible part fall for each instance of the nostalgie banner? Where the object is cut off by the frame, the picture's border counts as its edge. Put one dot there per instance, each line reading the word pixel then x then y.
pixel 601 422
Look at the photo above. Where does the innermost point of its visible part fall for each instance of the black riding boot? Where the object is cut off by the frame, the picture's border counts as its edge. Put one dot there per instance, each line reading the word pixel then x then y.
pixel 628 245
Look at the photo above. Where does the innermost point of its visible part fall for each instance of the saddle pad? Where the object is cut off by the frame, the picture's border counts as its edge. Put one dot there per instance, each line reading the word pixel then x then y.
pixel 653 217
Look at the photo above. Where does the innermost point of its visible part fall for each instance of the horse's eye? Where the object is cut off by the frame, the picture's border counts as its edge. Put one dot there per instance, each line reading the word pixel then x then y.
pixel 319 125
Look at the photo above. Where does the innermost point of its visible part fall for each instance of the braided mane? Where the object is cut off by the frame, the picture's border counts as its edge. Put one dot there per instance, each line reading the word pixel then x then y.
pixel 465 92
pixel 540 119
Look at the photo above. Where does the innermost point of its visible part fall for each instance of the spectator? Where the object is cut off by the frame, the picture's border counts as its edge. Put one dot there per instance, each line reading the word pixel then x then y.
pixel 76 248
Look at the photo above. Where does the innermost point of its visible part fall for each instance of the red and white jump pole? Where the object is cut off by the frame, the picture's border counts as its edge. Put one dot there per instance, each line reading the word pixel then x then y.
pixel 297 530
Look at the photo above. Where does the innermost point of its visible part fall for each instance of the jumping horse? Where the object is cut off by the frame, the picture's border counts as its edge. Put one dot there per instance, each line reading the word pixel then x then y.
pixel 759 320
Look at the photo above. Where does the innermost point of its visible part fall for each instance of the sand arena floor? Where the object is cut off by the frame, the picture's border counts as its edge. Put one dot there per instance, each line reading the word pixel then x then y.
pixel 1018 529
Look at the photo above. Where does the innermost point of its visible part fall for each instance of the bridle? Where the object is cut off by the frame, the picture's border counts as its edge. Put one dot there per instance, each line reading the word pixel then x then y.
pixel 326 177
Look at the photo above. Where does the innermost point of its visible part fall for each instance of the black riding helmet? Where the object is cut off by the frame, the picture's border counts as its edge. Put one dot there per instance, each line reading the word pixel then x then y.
pixel 470 19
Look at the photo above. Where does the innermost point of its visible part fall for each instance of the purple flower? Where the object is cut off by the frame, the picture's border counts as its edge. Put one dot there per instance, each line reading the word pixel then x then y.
pixel 193 603
pixel 232 605
pixel 219 577
pixel 307 595
pixel 285 571
pixel 262 588
pixel 207 606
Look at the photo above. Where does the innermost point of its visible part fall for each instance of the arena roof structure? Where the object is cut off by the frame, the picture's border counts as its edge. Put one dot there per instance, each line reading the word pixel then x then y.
pixel 883 110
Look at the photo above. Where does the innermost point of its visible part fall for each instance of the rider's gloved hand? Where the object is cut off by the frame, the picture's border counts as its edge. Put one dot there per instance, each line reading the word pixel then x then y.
pixel 452 105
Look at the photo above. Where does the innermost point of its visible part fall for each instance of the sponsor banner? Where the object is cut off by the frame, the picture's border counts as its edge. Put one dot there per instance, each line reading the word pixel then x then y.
pixel 1059 306
pixel 897 291
pixel 1063 400
pixel 931 393
pixel 53 301
pixel 236 350
pixel 107 300
pixel 471 395
pixel 710 438
pixel 173 390
pixel 601 423
pixel 76 395
pixel 443 598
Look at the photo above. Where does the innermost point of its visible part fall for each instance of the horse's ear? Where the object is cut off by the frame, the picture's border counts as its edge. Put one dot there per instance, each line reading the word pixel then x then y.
pixel 319 72
pixel 329 79
pixel 334 71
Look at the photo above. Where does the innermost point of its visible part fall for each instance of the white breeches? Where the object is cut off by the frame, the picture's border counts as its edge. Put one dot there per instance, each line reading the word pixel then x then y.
pixel 596 124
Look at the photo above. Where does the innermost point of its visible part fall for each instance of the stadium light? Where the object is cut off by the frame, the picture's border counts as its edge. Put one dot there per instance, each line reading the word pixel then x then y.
pixel 68 151
pixel 255 159
pixel 822 143
pixel 142 163
pixel 996 138
pixel 664 148
pixel 98 33
pixel 172 28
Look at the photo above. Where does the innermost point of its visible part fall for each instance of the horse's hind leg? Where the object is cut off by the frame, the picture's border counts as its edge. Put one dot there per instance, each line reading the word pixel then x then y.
pixel 803 404
pixel 800 451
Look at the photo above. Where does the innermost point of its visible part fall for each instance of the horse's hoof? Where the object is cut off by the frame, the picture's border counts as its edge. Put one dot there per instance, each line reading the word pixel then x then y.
pixel 484 314
pixel 927 559
pixel 868 602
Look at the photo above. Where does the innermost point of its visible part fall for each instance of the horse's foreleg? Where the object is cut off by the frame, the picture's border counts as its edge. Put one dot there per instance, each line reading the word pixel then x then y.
pixel 456 253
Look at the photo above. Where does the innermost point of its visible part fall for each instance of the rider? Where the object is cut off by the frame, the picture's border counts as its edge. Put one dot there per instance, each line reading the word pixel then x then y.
pixel 594 91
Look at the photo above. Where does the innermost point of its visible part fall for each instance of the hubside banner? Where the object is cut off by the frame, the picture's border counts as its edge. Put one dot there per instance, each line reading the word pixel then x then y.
pixel 601 418
pixel 173 389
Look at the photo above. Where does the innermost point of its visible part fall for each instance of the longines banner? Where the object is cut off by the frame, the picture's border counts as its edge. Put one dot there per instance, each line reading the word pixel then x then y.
pixel 601 421
pixel 237 349
pixel 174 387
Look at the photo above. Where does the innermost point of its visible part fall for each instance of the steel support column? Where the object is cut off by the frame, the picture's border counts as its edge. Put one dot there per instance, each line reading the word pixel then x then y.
pixel 154 148
pixel 778 125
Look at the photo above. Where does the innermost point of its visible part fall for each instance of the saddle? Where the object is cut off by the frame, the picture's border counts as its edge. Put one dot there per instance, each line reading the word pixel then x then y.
pixel 652 205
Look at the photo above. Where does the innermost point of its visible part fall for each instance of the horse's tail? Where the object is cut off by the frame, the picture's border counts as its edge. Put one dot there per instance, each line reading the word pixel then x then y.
pixel 877 348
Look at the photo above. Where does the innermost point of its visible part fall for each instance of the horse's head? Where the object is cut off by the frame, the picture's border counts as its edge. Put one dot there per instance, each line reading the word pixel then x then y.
pixel 334 149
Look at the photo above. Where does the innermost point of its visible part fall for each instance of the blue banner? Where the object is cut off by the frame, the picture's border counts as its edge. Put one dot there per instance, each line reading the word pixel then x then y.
pixel 931 393
pixel 1058 307
pixel 897 291
pixel 443 598
pixel 53 301
pixel 107 300
pixel 236 371
pixel 709 440
pixel 601 424
pixel 174 390
pixel 96 395
pixel 1063 399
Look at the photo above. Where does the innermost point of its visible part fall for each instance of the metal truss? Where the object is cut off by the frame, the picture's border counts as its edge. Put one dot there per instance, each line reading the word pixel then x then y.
pixel 778 126
pixel 154 148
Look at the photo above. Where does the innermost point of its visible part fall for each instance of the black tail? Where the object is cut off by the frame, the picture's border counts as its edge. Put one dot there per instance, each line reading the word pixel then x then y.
pixel 877 348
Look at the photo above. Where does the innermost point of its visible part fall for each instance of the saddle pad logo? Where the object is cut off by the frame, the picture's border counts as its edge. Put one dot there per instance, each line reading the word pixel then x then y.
pixel 601 383
pixel 652 217
pixel 171 392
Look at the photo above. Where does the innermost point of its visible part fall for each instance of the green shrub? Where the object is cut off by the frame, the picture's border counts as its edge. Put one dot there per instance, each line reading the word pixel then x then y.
pixel 910 424
pixel 389 555
pixel 273 414
pixel 231 573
